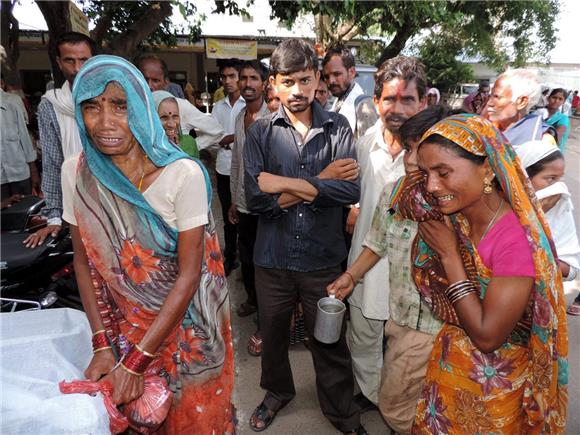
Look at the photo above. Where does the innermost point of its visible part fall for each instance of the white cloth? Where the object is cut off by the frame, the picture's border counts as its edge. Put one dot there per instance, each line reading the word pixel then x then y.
pixel 62 102
pixel 38 350
pixel 533 151
pixel 208 130
pixel 347 106
pixel 561 222
pixel 178 194
pixel 16 148
pixel 226 114
pixel 377 170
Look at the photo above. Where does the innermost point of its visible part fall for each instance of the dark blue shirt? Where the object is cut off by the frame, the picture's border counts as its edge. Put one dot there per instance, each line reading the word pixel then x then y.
pixel 306 236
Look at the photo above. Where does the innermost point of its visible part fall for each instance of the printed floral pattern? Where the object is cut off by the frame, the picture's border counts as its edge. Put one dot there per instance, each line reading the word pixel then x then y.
pixel 435 417
pixel 490 371
pixel 137 262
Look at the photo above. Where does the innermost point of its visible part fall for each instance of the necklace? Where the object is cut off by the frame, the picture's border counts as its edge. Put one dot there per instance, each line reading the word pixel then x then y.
pixel 142 173
pixel 491 221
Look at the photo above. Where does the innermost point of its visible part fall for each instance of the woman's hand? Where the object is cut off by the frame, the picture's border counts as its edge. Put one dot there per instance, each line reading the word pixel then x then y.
pixel 341 287
pixel 100 365
pixel 440 236
pixel 126 386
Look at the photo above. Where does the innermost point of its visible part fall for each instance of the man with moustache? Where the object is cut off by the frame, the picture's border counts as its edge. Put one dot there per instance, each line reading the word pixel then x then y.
pixel 294 180
pixel 252 83
pixel 225 112
pixel 339 71
pixel 514 93
pixel 400 93
pixel 57 128
pixel 321 94
pixel 156 73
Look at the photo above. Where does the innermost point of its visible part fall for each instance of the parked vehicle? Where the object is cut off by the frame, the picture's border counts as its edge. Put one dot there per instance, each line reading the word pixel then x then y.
pixel 36 278
pixel 454 98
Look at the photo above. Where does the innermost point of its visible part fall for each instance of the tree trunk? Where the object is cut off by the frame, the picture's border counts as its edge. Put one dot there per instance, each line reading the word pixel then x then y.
pixel 9 38
pixel 56 15
pixel 397 44
pixel 126 44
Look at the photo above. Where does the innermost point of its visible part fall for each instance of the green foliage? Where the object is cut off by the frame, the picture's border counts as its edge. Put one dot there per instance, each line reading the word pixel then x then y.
pixel 494 31
pixel 440 58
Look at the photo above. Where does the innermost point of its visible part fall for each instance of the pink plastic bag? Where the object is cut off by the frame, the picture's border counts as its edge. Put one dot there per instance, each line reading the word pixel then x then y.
pixel 144 414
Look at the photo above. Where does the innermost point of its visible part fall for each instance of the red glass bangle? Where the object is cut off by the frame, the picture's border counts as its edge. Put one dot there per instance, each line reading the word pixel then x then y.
pixel 100 340
pixel 136 362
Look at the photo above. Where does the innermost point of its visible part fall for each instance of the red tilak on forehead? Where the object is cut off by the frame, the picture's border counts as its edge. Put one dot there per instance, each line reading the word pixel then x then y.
pixel 401 86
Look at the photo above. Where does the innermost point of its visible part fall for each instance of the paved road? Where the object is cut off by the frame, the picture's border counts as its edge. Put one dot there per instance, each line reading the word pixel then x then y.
pixel 572 179
pixel 303 415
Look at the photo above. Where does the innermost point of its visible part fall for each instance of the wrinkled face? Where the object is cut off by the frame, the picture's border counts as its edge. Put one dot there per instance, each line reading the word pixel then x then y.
pixel 556 100
pixel 296 90
pixel 500 108
pixel 410 157
pixel 272 100
pixel 229 78
pixel 399 101
pixel 169 114
pixel 107 123
pixel 550 174
pixel 456 182
pixel 337 77
pixel 71 58
pixel 321 93
pixel 251 84
pixel 153 73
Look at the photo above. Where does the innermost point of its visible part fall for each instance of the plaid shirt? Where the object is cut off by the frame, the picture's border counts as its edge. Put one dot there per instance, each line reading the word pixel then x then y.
pixel 393 238
pixel 52 160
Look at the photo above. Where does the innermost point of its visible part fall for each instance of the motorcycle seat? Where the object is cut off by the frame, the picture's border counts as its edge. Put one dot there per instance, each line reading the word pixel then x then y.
pixel 15 255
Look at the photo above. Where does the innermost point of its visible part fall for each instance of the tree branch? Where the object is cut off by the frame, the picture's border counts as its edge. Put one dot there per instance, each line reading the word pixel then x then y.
pixel 126 43
pixel 397 44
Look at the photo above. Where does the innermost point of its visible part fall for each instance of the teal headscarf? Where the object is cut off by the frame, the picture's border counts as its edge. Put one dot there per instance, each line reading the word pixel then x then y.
pixel 144 123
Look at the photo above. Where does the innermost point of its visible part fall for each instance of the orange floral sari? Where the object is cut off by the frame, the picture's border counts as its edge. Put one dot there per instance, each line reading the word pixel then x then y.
pixel 520 388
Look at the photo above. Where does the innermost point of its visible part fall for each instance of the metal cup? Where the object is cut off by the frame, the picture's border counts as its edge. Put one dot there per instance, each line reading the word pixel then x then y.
pixel 329 318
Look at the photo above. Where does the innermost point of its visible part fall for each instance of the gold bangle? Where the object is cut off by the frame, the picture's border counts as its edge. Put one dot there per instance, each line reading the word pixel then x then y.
pixel 129 370
pixel 101 348
pixel 99 331
pixel 144 352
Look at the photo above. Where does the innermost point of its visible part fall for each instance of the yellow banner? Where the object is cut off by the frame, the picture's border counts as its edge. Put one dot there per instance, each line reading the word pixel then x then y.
pixel 231 48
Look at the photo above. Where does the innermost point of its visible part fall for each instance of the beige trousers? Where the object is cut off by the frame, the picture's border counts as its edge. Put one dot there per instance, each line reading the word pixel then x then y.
pixel 365 341
pixel 404 369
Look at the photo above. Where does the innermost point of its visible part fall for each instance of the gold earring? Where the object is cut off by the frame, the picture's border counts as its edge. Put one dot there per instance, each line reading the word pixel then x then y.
pixel 487 189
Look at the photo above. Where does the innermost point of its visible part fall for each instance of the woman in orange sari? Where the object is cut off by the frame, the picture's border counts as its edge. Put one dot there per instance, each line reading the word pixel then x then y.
pixel 499 365
pixel 147 258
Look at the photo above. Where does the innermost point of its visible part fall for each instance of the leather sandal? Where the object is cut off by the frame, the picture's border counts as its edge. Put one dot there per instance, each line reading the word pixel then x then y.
pixel 264 415
pixel 255 344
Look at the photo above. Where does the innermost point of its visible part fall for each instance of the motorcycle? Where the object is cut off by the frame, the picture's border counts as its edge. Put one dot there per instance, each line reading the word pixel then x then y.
pixel 38 278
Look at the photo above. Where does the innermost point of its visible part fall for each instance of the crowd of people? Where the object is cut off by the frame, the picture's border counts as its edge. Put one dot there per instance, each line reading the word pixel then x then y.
pixel 448 233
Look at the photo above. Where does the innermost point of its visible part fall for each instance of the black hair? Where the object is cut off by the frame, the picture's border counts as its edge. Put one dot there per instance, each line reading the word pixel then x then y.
pixel 146 57
pixel 559 91
pixel 73 38
pixel 539 166
pixel 293 55
pixel 257 66
pixel 229 63
pixel 401 67
pixel 415 127
pixel 343 52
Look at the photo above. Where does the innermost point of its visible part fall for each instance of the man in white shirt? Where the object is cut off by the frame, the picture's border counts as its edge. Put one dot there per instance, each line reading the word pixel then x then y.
pixel 400 92
pixel 339 72
pixel 225 112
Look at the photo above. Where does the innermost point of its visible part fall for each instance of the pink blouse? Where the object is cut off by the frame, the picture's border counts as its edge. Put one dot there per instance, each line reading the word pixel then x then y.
pixel 505 249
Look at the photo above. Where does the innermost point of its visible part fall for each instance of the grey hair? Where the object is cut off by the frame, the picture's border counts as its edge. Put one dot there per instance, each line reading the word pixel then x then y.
pixel 523 83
